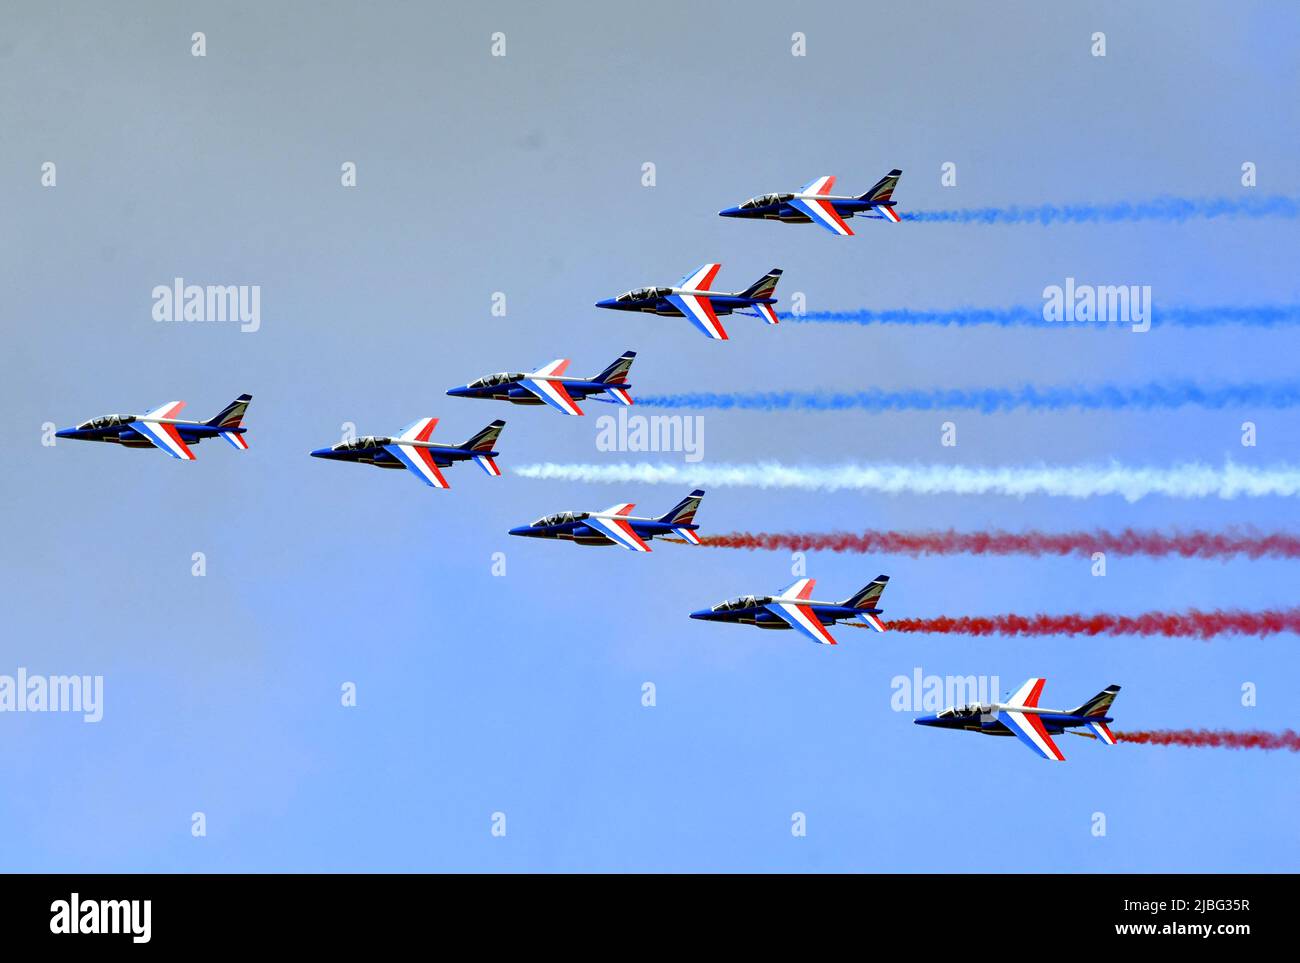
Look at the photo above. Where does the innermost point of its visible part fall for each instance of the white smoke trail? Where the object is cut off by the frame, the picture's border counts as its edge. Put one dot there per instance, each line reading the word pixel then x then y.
pixel 1084 481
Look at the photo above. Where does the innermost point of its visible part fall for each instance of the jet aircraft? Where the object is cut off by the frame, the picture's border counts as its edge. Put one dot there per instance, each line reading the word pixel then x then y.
pixel 814 203
pixel 614 526
pixel 694 299
pixel 161 428
pixel 413 450
pixel 793 608
pixel 1022 716
pixel 550 386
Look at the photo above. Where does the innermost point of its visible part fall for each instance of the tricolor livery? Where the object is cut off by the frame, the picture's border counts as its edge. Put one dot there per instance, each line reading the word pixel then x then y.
pixel 550 386
pixel 614 526
pixel 1022 716
pixel 413 450
pixel 694 299
pixel 814 203
pixel 161 428
pixel 794 608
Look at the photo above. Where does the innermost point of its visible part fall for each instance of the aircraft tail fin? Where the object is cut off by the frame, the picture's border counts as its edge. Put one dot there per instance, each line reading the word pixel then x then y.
pixel 883 189
pixel 485 439
pixel 683 514
pixel 232 415
pixel 617 372
pixel 868 597
pixel 764 287
pixel 881 194
pixel 1099 705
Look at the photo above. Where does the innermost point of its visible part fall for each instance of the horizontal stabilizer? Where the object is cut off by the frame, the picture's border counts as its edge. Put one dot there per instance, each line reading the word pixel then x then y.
pixel 488 464
pixel 872 620
pixel 1099 730
pixel 236 440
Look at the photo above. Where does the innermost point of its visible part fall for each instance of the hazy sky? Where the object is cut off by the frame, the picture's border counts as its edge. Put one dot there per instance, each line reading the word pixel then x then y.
pixel 522 174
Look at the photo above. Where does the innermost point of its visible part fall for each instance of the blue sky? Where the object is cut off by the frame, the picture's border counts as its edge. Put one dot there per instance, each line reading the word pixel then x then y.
pixel 522 694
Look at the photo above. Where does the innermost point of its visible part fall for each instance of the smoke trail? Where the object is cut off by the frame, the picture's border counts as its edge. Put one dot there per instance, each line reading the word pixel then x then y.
pixel 1171 394
pixel 1195 544
pixel 1250 739
pixel 1155 209
pixel 1191 624
pixel 1084 481
pixel 1261 315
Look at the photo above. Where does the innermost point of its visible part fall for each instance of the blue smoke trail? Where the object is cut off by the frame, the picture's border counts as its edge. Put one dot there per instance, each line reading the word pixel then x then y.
pixel 1261 316
pixel 1157 209
pixel 1172 394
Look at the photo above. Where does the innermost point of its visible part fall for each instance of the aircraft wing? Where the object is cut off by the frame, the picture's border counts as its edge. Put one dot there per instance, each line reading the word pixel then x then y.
pixel 699 311
pixel 419 460
pixel 797 616
pixel 802 618
pixel 822 185
pixel 552 392
pixel 618 529
pixel 165 437
pixel 701 279
pixel 1029 727
pixel 823 213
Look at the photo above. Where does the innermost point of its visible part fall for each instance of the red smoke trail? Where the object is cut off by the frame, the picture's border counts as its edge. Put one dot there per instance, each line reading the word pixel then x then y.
pixel 1228 543
pixel 1251 739
pixel 1191 624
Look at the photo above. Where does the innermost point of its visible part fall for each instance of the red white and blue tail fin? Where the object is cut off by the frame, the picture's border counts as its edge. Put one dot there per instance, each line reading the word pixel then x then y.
pixel 867 601
pixel 882 192
pixel 682 515
pixel 615 379
pixel 486 439
pixel 230 421
pixel 482 443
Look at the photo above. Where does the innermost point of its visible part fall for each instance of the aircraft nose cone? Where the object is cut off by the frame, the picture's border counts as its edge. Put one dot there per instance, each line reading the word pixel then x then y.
pixel 705 614
pixel 460 392
pixel 926 720
pixel 729 212
pixel 323 453
pixel 66 433
pixel 607 303
pixel 521 530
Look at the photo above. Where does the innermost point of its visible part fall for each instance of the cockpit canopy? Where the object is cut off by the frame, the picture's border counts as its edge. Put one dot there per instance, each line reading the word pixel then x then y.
pixel 500 378
pixel 743 602
pixel 365 441
pixel 764 200
pixel 559 518
pixel 644 294
pixel 106 421
pixel 971 709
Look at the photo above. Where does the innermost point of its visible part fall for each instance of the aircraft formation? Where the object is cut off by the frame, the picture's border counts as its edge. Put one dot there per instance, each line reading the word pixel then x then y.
pixel 694 299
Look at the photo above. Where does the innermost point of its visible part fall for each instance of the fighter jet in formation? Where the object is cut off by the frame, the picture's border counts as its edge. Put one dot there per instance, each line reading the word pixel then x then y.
pixel 413 450
pixel 549 386
pixel 694 300
pixel 1022 716
pixel 814 203
pixel 793 608
pixel 614 526
pixel 161 428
